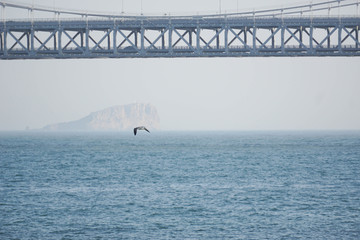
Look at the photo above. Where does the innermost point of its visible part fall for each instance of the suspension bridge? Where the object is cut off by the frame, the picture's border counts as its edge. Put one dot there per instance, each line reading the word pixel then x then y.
pixel 291 31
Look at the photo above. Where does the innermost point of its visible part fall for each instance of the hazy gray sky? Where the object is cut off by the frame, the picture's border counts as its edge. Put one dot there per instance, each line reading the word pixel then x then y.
pixel 195 93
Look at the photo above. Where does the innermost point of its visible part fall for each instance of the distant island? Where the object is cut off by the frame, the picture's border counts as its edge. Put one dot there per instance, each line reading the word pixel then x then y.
pixel 117 118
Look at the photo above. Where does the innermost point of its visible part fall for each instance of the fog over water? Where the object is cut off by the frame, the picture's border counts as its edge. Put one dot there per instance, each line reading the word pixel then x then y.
pixel 189 94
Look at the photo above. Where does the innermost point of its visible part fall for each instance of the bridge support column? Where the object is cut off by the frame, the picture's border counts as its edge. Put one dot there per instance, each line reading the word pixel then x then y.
pixel 55 47
pixel 254 40
pixel 114 30
pixel 226 39
pixel 5 42
pixel 81 39
pixel 87 40
pixel 27 42
pixel 2 35
pixel 59 41
pixel 357 37
pixel 163 38
pixel 136 38
pixel 340 38
pixel 142 39
pixel 170 38
pixel 1 42
pixel 198 47
pixel 245 36
pixel 32 40
pixel 301 36
pixel 311 40
pixel 190 37
pixel 283 39
pixel 109 40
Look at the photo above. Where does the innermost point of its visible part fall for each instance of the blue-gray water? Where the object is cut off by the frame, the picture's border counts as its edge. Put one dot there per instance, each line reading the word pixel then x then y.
pixel 218 185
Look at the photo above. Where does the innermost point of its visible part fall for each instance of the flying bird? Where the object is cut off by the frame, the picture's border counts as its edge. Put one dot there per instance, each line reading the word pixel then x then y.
pixel 140 128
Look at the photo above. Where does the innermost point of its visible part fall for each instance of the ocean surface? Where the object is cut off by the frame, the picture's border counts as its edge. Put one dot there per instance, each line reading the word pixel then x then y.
pixel 180 185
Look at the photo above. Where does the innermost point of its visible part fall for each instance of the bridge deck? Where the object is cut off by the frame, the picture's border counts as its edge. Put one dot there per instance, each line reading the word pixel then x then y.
pixel 143 37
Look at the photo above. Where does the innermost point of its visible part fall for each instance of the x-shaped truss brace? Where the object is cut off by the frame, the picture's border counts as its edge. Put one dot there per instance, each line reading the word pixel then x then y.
pixel 237 36
pixel 97 44
pixel 349 34
pixel 18 41
pixel 43 44
pixel 127 39
pixel 152 44
pixel 320 44
pixel 181 37
pixel 72 40
pixel 207 46
pixel 263 45
pixel 293 35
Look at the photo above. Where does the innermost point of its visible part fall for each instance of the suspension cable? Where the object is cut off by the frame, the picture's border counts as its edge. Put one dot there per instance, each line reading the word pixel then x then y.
pixel 291 10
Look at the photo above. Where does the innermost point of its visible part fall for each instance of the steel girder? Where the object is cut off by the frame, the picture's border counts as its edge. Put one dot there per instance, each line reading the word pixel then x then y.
pixel 185 37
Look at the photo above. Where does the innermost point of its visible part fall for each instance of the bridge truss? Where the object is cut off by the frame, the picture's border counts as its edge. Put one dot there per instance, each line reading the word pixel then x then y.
pixel 224 35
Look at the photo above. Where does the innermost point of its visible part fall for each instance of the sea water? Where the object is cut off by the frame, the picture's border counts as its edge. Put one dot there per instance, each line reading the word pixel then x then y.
pixel 180 185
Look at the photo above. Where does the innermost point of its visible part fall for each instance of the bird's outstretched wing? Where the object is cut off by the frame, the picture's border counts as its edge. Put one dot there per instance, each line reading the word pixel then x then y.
pixel 140 128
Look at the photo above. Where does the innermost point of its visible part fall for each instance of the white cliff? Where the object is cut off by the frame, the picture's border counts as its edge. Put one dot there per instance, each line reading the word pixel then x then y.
pixel 117 118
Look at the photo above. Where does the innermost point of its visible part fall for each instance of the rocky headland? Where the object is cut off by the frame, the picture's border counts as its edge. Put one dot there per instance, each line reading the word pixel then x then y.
pixel 117 118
